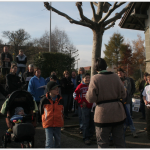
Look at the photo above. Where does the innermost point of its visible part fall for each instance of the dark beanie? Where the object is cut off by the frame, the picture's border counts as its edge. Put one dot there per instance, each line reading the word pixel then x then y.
pixel 51 85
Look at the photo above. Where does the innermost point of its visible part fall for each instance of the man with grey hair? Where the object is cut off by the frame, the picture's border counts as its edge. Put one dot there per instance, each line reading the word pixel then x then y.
pixel 28 75
pixel 21 60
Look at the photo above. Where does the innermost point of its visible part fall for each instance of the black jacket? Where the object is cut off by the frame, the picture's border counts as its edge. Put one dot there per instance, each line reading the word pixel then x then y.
pixel 78 80
pixel 13 83
pixel 3 57
pixel 66 86
pixel 25 75
pixel 2 90
pixel 132 86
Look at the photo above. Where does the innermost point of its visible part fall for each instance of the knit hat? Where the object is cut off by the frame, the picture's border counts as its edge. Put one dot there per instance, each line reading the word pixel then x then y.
pixel 51 85
pixel 18 109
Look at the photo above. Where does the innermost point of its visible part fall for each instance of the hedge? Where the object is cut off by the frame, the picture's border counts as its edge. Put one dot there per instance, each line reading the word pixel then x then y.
pixel 49 62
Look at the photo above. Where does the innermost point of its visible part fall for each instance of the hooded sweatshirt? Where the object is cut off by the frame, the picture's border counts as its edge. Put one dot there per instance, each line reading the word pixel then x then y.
pixel 79 95
pixel 34 87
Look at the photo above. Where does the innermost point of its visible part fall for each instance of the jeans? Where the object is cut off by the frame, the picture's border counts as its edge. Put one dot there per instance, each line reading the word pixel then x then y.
pixel 71 103
pixel 132 128
pixel 88 123
pixel 38 115
pixel 20 69
pixel 142 107
pixel 102 135
pixel 131 107
pixel 148 121
pixel 50 133
pixel 80 117
pixel 67 99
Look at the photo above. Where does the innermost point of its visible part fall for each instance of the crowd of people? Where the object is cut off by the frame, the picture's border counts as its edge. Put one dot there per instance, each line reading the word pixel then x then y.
pixel 103 102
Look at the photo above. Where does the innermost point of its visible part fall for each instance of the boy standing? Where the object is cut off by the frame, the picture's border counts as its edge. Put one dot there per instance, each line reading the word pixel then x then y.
pixel 146 98
pixel 85 106
pixel 51 109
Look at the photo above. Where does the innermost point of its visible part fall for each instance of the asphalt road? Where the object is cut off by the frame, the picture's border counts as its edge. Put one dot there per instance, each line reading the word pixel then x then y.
pixel 68 140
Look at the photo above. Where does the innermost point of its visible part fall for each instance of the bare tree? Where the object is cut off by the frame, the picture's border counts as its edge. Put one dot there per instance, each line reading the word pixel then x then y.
pixel 98 24
pixel 16 38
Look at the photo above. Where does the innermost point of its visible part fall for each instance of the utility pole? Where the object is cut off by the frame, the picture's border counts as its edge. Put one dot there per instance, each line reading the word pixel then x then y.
pixel 127 70
pixel 77 62
pixel 50 32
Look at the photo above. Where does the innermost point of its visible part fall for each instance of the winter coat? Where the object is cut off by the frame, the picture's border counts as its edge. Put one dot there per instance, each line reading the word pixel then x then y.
pixel 66 86
pixel 21 60
pixel 51 111
pixel 13 83
pixel 104 88
pixel 3 57
pixel 25 75
pixel 35 89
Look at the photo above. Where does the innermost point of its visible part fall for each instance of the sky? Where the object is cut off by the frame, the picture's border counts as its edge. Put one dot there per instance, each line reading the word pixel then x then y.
pixel 35 19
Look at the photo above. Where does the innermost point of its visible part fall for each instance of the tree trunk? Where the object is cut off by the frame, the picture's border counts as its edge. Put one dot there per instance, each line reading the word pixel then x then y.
pixel 96 50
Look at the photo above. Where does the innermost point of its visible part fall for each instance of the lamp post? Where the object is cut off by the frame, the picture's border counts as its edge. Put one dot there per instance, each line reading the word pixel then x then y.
pixel 77 62
pixel 50 32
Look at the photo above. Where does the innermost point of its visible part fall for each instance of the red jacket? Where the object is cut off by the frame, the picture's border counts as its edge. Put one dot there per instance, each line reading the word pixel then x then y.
pixel 79 95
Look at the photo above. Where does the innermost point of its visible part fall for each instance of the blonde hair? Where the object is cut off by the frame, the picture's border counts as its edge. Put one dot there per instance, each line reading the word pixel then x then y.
pixel 81 69
pixel 66 72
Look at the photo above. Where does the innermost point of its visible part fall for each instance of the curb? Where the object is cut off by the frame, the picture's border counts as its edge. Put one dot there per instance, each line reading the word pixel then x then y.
pixel 69 126
pixel 63 131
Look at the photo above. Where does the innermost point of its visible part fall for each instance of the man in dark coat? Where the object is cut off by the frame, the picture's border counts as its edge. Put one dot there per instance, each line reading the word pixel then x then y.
pixel 27 76
pixel 6 59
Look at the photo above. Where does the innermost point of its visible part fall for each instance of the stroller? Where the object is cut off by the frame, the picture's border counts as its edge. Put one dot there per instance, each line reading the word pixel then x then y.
pixel 24 131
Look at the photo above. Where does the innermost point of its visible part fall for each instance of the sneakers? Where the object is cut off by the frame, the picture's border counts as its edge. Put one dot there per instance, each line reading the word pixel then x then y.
pixel 87 142
pixel 135 135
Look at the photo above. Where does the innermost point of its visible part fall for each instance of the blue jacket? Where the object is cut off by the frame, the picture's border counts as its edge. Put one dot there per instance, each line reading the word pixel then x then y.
pixel 34 89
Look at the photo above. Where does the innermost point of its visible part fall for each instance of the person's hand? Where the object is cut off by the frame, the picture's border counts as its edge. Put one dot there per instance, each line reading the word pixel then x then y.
pixel 84 104
pixel 146 102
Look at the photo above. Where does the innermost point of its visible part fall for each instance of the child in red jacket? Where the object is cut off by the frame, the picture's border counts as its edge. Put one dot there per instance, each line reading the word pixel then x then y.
pixel 85 114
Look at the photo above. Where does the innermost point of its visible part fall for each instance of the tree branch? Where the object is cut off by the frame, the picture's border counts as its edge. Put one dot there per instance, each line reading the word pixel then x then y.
pixel 48 7
pixel 115 6
pixel 93 9
pixel 100 9
pixel 109 26
pixel 82 16
pixel 95 3
pixel 118 16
